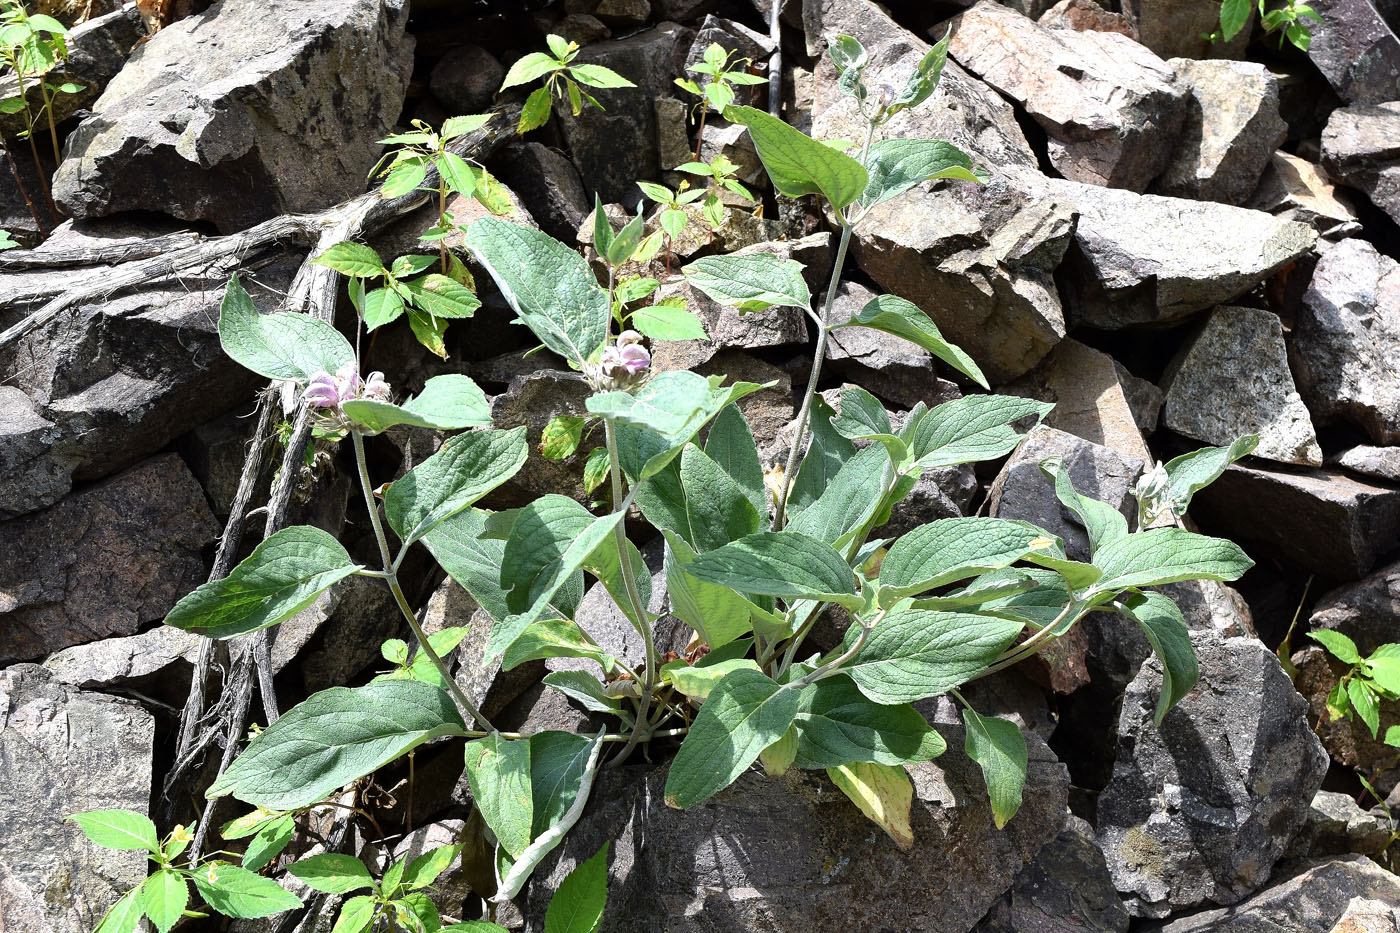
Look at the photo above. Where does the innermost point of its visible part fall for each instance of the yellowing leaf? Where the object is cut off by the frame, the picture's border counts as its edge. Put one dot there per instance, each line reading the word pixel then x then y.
pixel 884 793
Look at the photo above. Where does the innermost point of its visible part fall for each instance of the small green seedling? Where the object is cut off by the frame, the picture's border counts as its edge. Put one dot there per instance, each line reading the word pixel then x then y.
pixel 721 70
pixel 562 78
pixel 1367 682
pixel 1287 20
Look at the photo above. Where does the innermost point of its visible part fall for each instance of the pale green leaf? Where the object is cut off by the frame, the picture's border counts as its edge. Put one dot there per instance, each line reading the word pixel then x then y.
pixel 751 281
pixel 446 403
pixel 577 905
pixel 798 164
pixel 280 345
pixel 894 315
pixel 332 873
pixel 999 749
pixel 783 563
pixel 124 830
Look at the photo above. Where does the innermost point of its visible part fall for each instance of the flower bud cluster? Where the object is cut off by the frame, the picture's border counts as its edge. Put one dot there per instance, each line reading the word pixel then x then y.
pixel 623 364
pixel 326 393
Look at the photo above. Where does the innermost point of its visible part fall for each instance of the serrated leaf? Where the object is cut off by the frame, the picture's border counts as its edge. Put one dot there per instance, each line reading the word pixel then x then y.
pixel 280 345
pixel 751 282
pixel 1364 701
pixel 498 771
pixel 536 111
pixel 883 793
pixel 268 842
pixel 598 76
pixel 999 749
pixel 894 315
pixel 1338 645
pixel 548 285
pixel 356 914
pixel 334 737
pixel 333 873
pixel 453 127
pixel 796 163
pixel 466 468
pixel 442 297
pixel 123 830
pixel 163 898
pixel 352 259
pixel 913 654
pixel 561 437
pixel 237 892
pixel 529 68
pixel 447 403
pixel 282 576
pixel 746 712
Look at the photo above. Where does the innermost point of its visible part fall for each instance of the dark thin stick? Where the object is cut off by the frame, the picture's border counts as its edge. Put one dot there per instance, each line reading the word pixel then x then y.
pixel 775 63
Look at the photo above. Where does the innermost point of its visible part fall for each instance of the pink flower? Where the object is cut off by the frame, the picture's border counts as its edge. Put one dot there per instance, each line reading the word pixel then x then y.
pixel 634 357
pixel 327 391
pixel 376 387
pixel 322 391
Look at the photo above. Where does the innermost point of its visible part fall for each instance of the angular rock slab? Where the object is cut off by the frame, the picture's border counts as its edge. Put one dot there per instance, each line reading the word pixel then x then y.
pixel 1200 809
pixel 1232 128
pixel 1107 104
pixel 1146 259
pixel 1346 340
pixel 1296 189
pixel 1065 889
pixel 769 854
pixel 1361 149
pixel 1312 900
pixel 1356 48
pixel 251 109
pixel 106 561
pixel 1368 915
pixel 1379 462
pixel 1327 521
pixel 1233 379
pixel 64 751
pixel 160 658
pixel 979 259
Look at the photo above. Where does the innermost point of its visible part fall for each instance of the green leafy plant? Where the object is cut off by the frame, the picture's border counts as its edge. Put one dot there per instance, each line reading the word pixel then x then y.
pixel 1287 20
pixel 1366 683
pixel 7 241
pixel 671 218
pixel 719 172
pixel 563 78
pixel 720 70
pixel 750 570
pixel 164 897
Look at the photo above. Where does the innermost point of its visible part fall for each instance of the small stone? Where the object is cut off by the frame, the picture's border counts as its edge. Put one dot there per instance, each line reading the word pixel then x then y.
pixel 109 560
pixel 1296 189
pixel 1146 259
pixel 582 29
pixel 63 751
pixel 1200 808
pixel 1107 104
pixel 1324 520
pixel 1336 825
pixel 1091 397
pixel 1312 900
pixel 466 79
pixel 623 14
pixel 1356 48
pixel 155 663
pixel 1358 150
pixel 1232 128
pixel 1346 340
pixel 1368 915
pixel 1232 379
pixel 1083 16
pixel 1379 462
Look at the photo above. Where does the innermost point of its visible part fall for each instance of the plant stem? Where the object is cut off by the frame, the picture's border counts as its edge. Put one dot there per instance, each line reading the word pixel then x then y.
pixel 823 332
pixel 442 213
pixel 19 183
pixel 1018 653
pixel 831 667
pixel 638 615
pixel 700 134
pixel 423 644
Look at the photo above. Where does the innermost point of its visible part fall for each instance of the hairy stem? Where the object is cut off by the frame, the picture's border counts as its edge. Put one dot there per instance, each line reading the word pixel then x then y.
pixel 1018 653
pixel 423 644
pixel 833 666
pixel 638 613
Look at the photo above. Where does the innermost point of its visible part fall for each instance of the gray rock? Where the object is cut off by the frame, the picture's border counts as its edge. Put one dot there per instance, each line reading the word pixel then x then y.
pixel 1144 398
pixel 1359 151
pixel 1091 394
pixel 215 452
pixel 1379 462
pixel 1108 105
pixel 532 400
pixel 338 636
pixel 1140 259
pixel 623 13
pixel 1178 29
pixel 1199 809
pixel 1232 128
pixel 1022 491
pixel 1367 611
pixel 743 42
pixel 1324 520
pixel 106 561
pixel 63 751
pixel 156 663
pixel 1310 901
pixel 1084 16
pixel 1065 889
pixel 673 139
pixel 466 79
pixel 946 492
pixel 1296 189
pixel 1346 340
pixel 768 411
pixel 1336 825
pixel 1368 915
pixel 1232 379
pixel 616 146
pixel 1356 48
pixel 979 259
pixel 766 851
pixel 248 110
pixel 891 367
pixel 118 379
pixel 581 28
pixel 683 11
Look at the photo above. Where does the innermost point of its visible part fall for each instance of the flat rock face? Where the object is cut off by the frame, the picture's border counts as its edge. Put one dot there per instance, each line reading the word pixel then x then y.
pixel 1314 899
pixel 1108 105
pixel 1379 462
pixel 1200 808
pixel 63 751
pixel 1330 522
pixel 162 654
pixel 250 109
pixel 1232 128
pixel 1232 380
pixel 548 184
pixel 1146 259
pixel 1346 340
pixel 1084 15
pixel 116 380
pixel 766 853
pixel 979 259
pixel 106 561
pixel 1296 189
pixel 1357 50
pixel 1359 149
